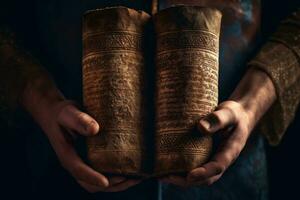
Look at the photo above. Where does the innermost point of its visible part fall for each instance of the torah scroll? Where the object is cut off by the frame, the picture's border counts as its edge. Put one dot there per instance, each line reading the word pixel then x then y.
pixel 187 85
pixel 113 81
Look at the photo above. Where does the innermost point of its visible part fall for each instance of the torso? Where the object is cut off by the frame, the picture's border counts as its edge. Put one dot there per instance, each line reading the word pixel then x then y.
pixel 60 35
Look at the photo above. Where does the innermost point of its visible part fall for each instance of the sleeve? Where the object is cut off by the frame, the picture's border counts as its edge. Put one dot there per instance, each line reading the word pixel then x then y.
pixel 17 67
pixel 280 59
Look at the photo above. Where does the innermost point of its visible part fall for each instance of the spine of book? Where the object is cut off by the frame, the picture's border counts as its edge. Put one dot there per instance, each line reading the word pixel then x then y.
pixel 187 85
pixel 113 82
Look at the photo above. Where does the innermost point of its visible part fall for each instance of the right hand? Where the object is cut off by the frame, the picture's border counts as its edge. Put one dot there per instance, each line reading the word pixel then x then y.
pixel 61 120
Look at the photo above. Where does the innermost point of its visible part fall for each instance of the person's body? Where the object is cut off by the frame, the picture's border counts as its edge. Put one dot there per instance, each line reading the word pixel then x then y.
pixel 56 33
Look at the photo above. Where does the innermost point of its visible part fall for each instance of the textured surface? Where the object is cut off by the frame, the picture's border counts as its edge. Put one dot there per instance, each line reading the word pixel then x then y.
pixel 18 68
pixel 113 80
pixel 187 84
pixel 280 59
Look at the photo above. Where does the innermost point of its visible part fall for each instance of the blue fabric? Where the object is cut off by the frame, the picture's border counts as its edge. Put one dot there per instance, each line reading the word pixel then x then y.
pixel 58 35
pixel 246 179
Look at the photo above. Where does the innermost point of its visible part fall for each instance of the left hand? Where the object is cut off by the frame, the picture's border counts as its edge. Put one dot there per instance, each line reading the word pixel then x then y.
pixel 234 120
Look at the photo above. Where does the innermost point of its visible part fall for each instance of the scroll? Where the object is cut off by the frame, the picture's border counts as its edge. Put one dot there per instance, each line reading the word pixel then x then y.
pixel 187 85
pixel 113 83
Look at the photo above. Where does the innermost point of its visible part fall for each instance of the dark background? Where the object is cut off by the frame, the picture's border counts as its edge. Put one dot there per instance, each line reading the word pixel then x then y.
pixel 283 160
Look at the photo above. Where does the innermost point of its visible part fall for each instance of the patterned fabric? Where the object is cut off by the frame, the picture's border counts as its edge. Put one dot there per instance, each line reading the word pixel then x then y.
pixel 240 37
pixel 17 67
pixel 280 59
pixel 58 35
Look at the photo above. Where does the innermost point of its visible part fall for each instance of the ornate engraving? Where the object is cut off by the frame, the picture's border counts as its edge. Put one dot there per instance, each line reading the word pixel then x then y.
pixel 199 39
pixel 113 81
pixel 122 41
pixel 188 143
pixel 187 87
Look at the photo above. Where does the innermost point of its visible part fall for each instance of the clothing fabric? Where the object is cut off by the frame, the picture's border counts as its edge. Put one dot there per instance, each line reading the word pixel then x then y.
pixel 280 59
pixel 246 179
pixel 53 35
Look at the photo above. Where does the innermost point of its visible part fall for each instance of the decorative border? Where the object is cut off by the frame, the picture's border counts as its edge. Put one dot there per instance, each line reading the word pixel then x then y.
pixel 109 41
pixel 187 39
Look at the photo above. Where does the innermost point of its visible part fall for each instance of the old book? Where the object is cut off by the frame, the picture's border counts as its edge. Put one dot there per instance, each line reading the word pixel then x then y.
pixel 114 87
pixel 187 85
pixel 113 82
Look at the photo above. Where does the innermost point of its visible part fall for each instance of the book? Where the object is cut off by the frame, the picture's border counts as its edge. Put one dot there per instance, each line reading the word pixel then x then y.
pixel 148 80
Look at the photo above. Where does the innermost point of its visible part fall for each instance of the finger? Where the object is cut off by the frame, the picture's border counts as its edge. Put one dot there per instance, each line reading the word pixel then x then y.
pixel 176 180
pixel 208 170
pixel 73 163
pixel 72 118
pixel 90 188
pixel 122 186
pixel 231 148
pixel 116 180
pixel 217 121
pixel 209 181
pixel 225 156
pixel 71 134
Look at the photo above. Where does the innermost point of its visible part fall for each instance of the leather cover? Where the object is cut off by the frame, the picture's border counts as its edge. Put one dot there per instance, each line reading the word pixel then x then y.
pixel 187 85
pixel 113 81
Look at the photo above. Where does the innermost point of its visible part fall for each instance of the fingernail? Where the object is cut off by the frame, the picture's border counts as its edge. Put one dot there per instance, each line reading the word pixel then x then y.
pixel 104 184
pixel 92 127
pixel 205 124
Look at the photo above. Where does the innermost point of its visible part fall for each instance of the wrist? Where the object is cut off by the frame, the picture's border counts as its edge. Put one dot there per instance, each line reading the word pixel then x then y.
pixel 39 96
pixel 255 93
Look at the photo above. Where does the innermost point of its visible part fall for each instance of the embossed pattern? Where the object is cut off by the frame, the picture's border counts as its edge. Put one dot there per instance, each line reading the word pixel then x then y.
pixel 113 80
pixel 187 85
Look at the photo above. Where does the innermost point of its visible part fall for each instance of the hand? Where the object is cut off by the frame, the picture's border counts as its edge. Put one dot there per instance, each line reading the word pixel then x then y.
pixel 61 121
pixel 230 120
pixel 66 121
pixel 234 120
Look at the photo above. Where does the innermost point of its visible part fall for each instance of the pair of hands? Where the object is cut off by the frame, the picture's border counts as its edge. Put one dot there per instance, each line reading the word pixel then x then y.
pixel 64 121
pixel 61 121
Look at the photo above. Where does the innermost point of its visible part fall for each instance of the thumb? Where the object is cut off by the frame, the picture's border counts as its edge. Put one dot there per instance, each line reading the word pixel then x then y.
pixel 216 121
pixel 72 118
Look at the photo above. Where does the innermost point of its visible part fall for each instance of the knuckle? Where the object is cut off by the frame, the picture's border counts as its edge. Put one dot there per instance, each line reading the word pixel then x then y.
pixel 220 169
pixel 65 110
pixel 233 108
pixel 81 116
pixel 217 117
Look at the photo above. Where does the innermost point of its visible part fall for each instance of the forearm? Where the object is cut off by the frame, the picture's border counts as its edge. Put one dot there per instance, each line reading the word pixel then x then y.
pixel 280 59
pixel 17 68
pixel 38 94
pixel 23 80
pixel 255 93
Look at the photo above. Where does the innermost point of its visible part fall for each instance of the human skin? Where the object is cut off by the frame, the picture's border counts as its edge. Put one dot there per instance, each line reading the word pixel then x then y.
pixel 235 120
pixel 61 120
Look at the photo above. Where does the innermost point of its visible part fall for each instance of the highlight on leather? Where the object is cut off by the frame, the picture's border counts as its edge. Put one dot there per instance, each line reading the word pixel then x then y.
pixel 113 81
pixel 187 39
